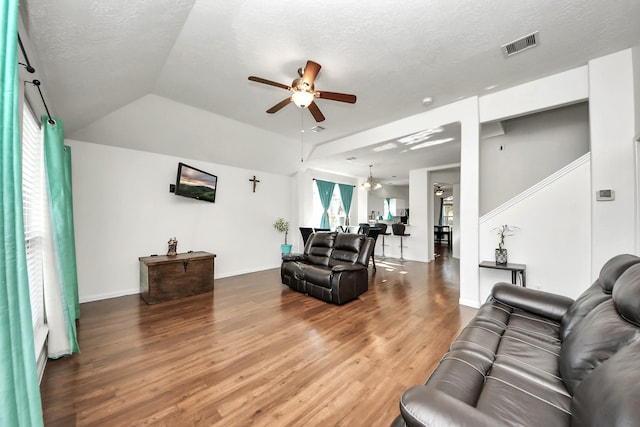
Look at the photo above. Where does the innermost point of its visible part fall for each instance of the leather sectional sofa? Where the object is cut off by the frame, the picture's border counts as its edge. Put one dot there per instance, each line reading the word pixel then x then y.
pixel 333 267
pixel 531 358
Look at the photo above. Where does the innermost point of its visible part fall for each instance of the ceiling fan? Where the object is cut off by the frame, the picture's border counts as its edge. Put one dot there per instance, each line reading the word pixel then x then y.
pixel 304 93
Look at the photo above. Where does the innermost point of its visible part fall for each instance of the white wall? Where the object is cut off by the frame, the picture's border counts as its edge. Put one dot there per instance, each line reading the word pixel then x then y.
pixel 123 210
pixel 554 238
pixel 612 121
pixel 531 148
pixel 160 125
pixel 376 199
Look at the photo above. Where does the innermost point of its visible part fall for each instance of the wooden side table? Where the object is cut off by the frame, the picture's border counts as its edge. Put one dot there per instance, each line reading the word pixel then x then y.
pixel 514 268
pixel 163 278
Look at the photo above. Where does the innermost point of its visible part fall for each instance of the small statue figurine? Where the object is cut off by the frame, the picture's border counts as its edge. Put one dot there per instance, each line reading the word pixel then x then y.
pixel 173 247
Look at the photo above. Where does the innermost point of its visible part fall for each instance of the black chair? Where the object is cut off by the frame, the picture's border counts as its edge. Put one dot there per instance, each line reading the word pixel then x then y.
pixel 373 232
pixel 364 228
pixel 306 232
pixel 398 230
pixel 321 229
pixel 383 232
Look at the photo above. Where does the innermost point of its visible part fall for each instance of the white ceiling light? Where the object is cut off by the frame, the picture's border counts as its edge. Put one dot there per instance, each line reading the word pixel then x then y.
pixel 419 136
pixel 431 143
pixel 439 192
pixel 302 98
pixel 384 147
pixel 370 183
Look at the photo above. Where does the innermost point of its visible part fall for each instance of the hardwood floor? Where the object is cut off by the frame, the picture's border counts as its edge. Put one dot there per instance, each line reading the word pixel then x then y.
pixel 255 353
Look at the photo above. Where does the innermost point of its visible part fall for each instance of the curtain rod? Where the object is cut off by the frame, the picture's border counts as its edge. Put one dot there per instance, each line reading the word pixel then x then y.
pixel 337 183
pixel 27 66
pixel 36 83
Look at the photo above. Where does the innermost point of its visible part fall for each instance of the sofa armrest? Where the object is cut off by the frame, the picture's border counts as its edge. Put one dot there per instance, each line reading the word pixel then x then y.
pixel 344 267
pixel 425 406
pixel 546 304
pixel 293 257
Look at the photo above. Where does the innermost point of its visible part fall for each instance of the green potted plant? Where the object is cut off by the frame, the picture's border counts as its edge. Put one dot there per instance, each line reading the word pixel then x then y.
pixel 282 225
pixel 503 231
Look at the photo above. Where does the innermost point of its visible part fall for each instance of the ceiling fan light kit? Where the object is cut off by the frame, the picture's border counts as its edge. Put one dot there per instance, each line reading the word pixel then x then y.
pixel 304 93
pixel 302 98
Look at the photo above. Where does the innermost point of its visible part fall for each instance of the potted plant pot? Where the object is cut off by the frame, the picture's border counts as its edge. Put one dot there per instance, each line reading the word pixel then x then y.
pixel 501 256
pixel 282 225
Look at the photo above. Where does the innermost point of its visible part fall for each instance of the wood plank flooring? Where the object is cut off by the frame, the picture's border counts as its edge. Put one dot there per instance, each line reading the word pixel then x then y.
pixel 254 353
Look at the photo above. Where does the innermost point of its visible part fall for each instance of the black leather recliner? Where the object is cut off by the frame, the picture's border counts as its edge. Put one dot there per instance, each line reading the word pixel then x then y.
pixel 538 359
pixel 332 268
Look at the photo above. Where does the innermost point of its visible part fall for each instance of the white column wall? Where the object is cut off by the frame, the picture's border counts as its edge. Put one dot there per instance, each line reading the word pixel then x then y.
pixel 612 126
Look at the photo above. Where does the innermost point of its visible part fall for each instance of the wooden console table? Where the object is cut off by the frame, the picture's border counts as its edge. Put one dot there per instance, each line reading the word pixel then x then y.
pixel 163 278
pixel 514 268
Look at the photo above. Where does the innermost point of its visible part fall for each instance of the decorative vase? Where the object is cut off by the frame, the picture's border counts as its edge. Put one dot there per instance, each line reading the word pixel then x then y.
pixel 286 249
pixel 501 256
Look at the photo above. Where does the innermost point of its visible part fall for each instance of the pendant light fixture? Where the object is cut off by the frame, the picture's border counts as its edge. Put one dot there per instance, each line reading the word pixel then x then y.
pixel 370 183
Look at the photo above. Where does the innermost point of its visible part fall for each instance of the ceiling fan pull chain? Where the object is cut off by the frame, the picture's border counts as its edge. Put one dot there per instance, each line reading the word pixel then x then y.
pixel 301 136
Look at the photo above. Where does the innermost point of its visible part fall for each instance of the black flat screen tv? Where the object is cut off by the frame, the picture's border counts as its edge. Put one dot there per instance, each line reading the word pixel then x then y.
pixel 195 183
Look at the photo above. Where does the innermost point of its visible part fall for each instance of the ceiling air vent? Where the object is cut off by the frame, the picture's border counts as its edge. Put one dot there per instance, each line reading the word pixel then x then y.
pixel 520 45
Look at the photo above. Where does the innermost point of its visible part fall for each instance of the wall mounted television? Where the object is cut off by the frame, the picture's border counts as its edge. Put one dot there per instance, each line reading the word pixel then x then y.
pixel 196 183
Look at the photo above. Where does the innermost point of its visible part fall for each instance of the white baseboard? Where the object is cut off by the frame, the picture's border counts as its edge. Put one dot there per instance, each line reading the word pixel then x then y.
pixel 469 302
pixel 109 295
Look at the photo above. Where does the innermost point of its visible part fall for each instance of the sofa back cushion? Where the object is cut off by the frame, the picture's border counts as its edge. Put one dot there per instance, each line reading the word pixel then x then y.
pixel 598 293
pixel 610 395
pixel 626 295
pixel 319 247
pixel 610 326
pixel 346 249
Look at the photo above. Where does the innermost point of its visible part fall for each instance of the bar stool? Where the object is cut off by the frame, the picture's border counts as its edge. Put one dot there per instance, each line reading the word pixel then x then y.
pixel 398 230
pixel 383 232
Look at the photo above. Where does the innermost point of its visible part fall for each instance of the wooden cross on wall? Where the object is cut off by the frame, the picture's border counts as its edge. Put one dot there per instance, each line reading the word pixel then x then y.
pixel 255 182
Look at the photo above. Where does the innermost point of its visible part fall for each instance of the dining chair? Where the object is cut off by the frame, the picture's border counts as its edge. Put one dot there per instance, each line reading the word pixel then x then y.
pixel 306 232
pixel 373 232
pixel 383 232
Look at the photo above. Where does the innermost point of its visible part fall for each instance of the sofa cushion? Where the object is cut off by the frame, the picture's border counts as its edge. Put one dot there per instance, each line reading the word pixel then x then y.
pixel 598 292
pixel 513 399
pixel 317 275
pixel 461 374
pixel 610 395
pixel 346 249
pixel 596 338
pixel 626 295
pixel 319 248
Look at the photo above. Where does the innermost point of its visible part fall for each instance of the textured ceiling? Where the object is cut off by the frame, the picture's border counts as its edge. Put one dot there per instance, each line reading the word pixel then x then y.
pixel 101 55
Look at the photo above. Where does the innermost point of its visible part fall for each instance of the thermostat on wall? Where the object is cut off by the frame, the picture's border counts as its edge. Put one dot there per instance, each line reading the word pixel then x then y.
pixel 605 195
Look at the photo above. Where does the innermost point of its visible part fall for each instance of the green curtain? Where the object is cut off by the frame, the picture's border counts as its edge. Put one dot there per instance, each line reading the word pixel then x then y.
pixel 57 159
pixel 388 202
pixel 346 195
pixel 325 189
pixel 19 390
pixel 441 218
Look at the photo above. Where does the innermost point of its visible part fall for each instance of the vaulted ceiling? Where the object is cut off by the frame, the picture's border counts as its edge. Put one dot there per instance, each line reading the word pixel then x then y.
pixel 102 57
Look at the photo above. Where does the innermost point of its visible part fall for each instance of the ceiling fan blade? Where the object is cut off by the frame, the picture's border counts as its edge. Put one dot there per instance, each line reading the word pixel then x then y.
pixel 315 112
pixel 310 72
pixel 279 105
pixel 269 82
pixel 335 96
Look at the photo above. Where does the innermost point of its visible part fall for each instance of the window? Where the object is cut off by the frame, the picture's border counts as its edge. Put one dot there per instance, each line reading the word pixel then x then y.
pixel 32 195
pixel 448 211
pixel 336 211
